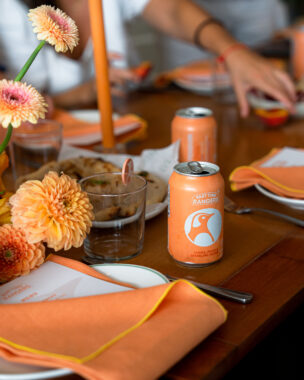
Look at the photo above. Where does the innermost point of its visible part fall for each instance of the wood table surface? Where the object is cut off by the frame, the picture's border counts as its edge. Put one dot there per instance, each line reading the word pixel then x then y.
pixel 262 255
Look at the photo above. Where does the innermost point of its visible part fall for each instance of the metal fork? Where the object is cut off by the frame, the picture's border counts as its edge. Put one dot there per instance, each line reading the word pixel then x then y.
pixel 231 206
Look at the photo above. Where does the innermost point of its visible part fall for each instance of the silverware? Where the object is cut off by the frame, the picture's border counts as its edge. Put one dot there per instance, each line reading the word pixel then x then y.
pixel 231 206
pixel 233 295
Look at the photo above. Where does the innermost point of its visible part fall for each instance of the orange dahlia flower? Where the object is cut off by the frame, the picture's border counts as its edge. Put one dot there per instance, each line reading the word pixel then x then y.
pixel 55 27
pixel 17 256
pixel 20 102
pixel 54 210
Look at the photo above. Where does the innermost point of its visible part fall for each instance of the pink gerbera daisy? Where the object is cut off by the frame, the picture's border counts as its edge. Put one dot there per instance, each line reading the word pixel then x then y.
pixel 20 102
pixel 55 27
pixel 17 256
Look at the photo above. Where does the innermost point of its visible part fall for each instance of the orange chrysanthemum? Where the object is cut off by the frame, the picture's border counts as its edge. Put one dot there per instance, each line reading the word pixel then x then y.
pixel 17 256
pixel 55 27
pixel 20 102
pixel 54 210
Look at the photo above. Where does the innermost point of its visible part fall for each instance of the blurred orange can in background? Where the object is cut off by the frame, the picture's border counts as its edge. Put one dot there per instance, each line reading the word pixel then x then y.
pixel 195 213
pixel 196 129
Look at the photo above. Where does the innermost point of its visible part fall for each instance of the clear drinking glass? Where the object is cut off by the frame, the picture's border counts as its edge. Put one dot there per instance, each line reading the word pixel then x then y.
pixel 34 145
pixel 118 229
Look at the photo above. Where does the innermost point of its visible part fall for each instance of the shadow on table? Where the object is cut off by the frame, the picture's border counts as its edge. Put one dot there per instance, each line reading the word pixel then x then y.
pixel 279 356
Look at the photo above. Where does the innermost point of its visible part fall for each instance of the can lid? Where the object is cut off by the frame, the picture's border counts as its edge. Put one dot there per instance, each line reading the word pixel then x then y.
pixel 194 112
pixel 196 168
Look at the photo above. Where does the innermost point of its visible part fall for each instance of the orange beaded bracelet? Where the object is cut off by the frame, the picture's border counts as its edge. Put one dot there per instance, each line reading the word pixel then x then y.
pixel 237 46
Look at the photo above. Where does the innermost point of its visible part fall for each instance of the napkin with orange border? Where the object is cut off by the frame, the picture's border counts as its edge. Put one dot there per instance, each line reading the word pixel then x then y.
pixel 201 71
pixel 281 171
pixel 78 132
pixel 130 335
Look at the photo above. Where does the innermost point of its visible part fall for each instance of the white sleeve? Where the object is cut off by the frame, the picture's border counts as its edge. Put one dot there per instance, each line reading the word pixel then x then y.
pixel 132 8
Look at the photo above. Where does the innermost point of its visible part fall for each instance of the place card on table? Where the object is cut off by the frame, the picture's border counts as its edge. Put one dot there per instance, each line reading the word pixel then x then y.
pixel 53 281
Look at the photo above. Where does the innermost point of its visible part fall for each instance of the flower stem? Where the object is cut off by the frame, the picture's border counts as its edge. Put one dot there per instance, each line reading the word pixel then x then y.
pixel 29 62
pixel 21 74
pixel 7 137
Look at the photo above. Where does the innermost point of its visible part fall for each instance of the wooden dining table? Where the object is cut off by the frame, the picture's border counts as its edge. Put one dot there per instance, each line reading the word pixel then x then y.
pixel 263 255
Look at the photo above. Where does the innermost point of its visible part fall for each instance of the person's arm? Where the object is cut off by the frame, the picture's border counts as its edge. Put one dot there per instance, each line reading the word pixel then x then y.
pixel 85 94
pixel 180 19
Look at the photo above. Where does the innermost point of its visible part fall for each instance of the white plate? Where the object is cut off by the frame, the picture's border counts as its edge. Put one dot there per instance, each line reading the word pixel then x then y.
pixel 203 88
pixel 200 87
pixel 139 276
pixel 16 371
pixel 156 208
pixel 151 211
pixel 290 202
pixel 267 104
pixel 91 116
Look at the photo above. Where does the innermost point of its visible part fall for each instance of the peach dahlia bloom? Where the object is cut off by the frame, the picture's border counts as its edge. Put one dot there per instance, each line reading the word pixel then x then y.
pixel 20 102
pixel 17 256
pixel 55 27
pixel 54 210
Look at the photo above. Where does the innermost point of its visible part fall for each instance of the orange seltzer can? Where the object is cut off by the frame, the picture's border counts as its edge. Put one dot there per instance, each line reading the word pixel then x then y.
pixel 196 129
pixel 195 213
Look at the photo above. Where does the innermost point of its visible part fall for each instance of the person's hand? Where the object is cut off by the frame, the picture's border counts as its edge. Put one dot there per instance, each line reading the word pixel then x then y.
pixel 249 70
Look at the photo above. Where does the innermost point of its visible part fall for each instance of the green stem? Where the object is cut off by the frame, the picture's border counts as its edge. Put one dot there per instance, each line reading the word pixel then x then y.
pixel 7 137
pixel 21 74
pixel 29 62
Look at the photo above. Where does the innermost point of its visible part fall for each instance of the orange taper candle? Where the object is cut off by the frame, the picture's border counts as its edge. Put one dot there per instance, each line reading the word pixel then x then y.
pixel 102 72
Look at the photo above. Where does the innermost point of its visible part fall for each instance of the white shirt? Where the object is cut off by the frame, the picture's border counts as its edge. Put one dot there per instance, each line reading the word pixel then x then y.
pixel 53 72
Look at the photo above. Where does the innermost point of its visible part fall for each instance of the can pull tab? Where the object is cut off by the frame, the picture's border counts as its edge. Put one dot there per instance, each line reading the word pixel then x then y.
pixel 196 168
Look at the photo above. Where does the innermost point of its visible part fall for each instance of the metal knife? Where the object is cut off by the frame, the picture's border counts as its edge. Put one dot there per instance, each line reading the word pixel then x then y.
pixel 233 295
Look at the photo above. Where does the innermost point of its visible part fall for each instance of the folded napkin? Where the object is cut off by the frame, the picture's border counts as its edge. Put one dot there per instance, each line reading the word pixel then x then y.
pixel 198 71
pixel 129 335
pixel 80 132
pixel 281 171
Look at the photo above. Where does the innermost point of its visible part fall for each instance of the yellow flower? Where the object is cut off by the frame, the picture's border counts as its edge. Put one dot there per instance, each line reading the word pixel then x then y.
pixel 5 210
pixel 20 102
pixel 3 165
pixel 55 27
pixel 54 210
pixel 17 256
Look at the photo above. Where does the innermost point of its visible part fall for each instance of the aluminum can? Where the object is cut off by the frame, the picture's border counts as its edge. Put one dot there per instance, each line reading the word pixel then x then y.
pixel 196 213
pixel 297 59
pixel 196 129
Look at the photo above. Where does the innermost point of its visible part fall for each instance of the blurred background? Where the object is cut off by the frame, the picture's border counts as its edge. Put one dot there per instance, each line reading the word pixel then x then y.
pixel 254 22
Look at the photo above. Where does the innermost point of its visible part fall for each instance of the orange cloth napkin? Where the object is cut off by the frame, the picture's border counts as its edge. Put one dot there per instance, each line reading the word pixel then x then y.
pixel 126 128
pixel 280 179
pixel 129 335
